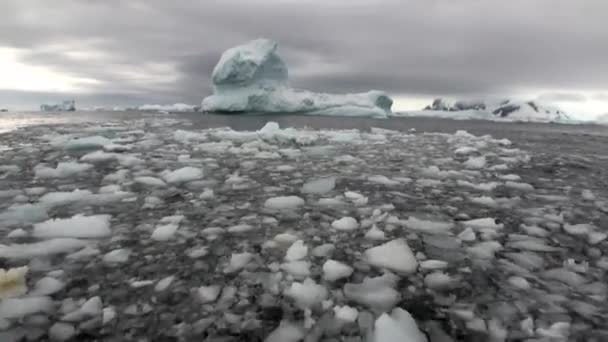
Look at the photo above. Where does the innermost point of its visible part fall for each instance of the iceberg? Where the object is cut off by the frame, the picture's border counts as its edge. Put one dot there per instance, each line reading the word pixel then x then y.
pixel 252 78
pixel 493 110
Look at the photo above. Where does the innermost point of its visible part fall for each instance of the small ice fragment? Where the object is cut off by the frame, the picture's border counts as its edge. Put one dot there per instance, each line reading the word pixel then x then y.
pixel 286 332
pixel 375 234
pixel 433 265
pixel 61 332
pixel 296 251
pixel 63 170
pixel 345 224
pixel 117 256
pixel 394 255
pixel 77 226
pixel 588 195
pixel 240 228
pixel 108 314
pixel 284 202
pixel 12 282
pixel 428 227
pixel 324 250
pixel 377 293
pixel 467 235
pixel 17 308
pixel 164 283
pixel 483 223
pixel 379 179
pixel 519 282
pixel 285 238
pixel 399 326
pixel 208 294
pixel 475 162
pixel 485 250
pixel 519 186
pixel 346 313
pixel 206 194
pixel 150 181
pixel 47 286
pixel 197 252
pixel 164 232
pixel 16 233
pixel 184 175
pixel 238 261
pixel 438 281
pixel 298 269
pixel 319 186
pixel 42 248
pixel 578 229
pixel 334 270
pixel 307 293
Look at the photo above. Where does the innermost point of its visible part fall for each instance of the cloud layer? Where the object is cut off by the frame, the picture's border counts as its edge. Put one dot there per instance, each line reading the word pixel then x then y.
pixel 164 51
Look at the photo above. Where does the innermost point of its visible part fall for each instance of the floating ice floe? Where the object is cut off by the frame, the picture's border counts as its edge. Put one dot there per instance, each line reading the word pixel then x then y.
pixel 284 202
pixel 394 255
pixel 78 226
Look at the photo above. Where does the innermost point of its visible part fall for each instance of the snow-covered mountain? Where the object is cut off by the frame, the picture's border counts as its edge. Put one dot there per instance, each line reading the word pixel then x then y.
pixel 502 110
pixel 253 78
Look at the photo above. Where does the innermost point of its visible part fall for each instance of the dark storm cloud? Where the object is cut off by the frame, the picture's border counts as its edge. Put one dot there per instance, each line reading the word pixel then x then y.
pixel 158 50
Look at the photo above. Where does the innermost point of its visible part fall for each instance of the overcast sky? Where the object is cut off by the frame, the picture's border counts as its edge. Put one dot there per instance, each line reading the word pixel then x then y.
pixel 130 52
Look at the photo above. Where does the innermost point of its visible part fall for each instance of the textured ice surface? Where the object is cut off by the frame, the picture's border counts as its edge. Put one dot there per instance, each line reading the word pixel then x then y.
pixel 253 78
pixel 78 226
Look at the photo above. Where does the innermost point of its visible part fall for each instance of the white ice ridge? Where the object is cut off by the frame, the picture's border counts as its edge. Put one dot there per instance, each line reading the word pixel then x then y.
pixel 253 78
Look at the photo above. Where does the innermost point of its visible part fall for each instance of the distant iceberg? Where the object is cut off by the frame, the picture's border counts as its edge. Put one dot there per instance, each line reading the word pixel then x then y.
pixel 65 106
pixel 177 107
pixel 495 110
pixel 252 78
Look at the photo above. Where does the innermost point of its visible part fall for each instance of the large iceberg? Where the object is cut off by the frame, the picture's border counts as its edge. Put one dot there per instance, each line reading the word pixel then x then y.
pixel 253 78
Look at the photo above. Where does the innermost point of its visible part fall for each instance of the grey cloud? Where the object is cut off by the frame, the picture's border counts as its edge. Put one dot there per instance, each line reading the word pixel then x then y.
pixel 422 47
pixel 563 97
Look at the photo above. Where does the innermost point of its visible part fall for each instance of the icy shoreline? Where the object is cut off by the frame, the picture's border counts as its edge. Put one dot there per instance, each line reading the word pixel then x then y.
pixel 286 233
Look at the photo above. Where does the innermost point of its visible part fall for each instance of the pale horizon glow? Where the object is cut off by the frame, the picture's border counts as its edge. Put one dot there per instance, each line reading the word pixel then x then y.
pixel 17 75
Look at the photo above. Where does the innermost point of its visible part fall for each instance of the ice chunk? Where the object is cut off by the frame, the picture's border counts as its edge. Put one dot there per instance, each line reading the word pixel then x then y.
pixel 77 226
pixel 42 248
pixel 346 313
pixel 208 294
pixel 483 223
pixel 345 224
pixel 117 256
pixel 376 293
pixel 334 270
pixel 485 250
pixel 428 227
pixel 183 175
pixel 164 283
pixel 253 78
pixel 16 233
pixel 475 162
pixel 319 186
pixel 519 282
pixel 150 181
pixel 286 332
pixel 86 143
pixel 12 282
pixel 578 229
pixel 400 326
pixel 307 293
pixel 284 202
pixel 519 186
pixel 438 281
pixel 394 255
pixel 47 286
pixel 17 308
pixel 298 269
pixel 61 331
pixel 164 232
pixel 587 195
pixel 238 261
pixel 324 250
pixel 379 179
pixel 296 251
pixel 433 265
pixel 63 170
pixel 375 234
pixel 467 235
pixel 565 276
